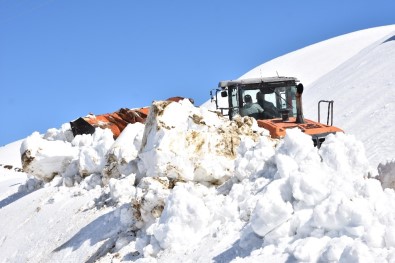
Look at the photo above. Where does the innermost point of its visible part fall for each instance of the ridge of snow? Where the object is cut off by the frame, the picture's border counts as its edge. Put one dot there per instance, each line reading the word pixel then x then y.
pixel 312 62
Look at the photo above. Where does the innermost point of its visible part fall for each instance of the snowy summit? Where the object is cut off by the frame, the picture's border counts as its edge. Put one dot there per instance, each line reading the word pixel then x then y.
pixel 191 186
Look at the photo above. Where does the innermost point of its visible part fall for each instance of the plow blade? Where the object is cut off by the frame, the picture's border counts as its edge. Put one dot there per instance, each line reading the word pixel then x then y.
pixel 116 121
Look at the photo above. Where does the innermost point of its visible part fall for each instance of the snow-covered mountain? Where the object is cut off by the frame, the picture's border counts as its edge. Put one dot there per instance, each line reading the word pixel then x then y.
pixel 191 186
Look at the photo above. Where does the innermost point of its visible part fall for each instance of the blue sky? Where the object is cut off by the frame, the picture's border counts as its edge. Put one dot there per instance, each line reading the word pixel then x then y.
pixel 60 60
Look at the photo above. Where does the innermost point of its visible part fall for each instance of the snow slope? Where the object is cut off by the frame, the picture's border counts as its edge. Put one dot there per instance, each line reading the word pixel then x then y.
pixel 9 154
pixel 191 186
pixel 10 176
pixel 312 62
pixel 363 89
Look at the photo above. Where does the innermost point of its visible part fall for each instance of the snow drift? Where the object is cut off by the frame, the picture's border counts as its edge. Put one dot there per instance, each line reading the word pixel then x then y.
pixel 272 200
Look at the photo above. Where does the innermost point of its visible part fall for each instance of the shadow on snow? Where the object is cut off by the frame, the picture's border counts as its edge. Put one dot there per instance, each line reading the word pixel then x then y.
pixel 102 228
pixel 390 39
pixel 105 228
pixel 14 197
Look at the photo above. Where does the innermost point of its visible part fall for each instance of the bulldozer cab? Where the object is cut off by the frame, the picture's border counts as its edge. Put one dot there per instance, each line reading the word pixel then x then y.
pixel 276 97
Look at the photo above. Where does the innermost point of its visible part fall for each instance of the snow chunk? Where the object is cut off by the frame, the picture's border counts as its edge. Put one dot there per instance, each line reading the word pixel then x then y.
pixel 252 156
pixel 188 143
pixel 344 154
pixel 45 159
pixel 93 150
pixel 387 174
pixel 271 210
pixel 124 151
pixel 309 249
pixel 184 219
pixel 357 252
pixel 122 190
pixel 149 200
pixel 62 134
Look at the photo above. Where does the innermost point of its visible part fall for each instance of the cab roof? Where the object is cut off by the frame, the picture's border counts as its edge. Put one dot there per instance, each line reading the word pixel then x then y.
pixel 227 83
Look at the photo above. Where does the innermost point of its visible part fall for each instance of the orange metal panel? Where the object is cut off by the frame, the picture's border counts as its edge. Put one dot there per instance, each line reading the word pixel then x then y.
pixel 277 127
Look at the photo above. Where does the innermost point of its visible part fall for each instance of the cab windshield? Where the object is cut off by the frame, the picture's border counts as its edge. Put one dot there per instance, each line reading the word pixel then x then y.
pixel 264 102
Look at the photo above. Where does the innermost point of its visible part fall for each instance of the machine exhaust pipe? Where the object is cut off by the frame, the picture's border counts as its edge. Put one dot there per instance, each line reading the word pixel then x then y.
pixel 299 109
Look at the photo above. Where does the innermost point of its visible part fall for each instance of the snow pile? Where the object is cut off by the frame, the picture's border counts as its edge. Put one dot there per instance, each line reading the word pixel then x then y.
pixel 58 153
pixel 46 158
pixel 194 185
pixel 325 210
pixel 180 142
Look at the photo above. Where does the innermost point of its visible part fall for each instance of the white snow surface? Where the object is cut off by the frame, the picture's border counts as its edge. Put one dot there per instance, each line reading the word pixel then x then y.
pixel 192 186
pixel 312 62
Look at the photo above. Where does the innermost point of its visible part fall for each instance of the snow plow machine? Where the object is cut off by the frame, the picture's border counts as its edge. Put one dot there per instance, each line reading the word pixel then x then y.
pixel 279 98
pixel 276 104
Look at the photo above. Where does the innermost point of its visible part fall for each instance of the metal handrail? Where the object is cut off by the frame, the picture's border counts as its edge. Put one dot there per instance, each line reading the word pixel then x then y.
pixel 330 111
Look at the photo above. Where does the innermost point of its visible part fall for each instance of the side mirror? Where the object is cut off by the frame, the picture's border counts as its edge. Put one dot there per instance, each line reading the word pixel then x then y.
pixel 299 88
pixel 224 94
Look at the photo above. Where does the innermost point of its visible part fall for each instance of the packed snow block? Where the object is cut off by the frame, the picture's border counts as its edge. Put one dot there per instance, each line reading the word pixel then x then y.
pixel 122 190
pixel 346 155
pixel 48 156
pixel 187 143
pixel 123 152
pixel 45 159
pixel 272 211
pixel 184 220
pixel 253 156
pixel 62 134
pixel 93 150
pixel 387 174
pixel 149 200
